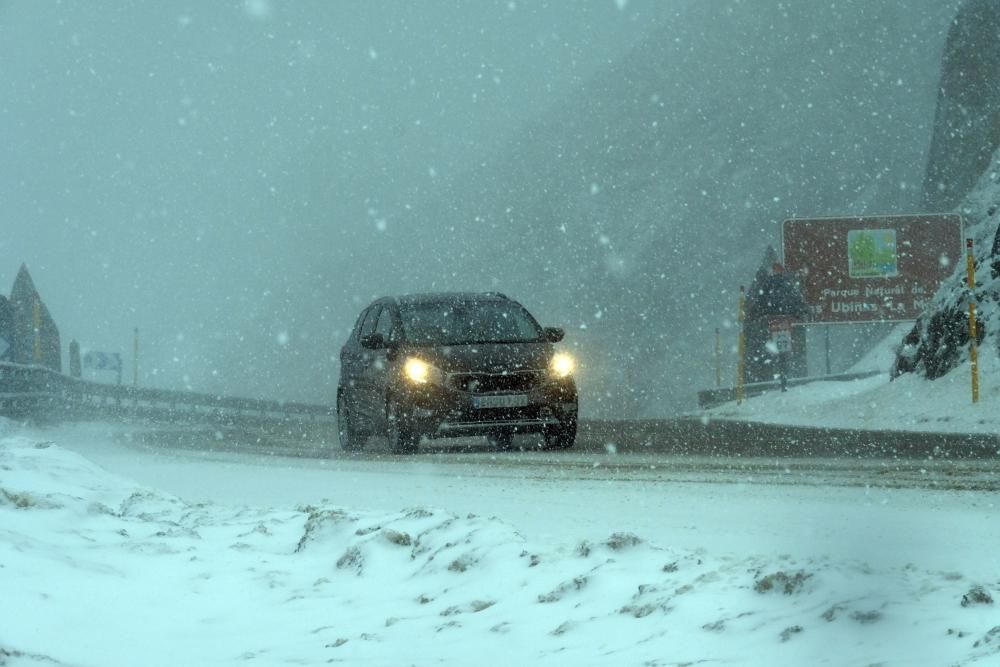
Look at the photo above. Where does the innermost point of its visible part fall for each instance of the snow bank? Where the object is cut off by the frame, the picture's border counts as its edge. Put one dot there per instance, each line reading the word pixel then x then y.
pixel 909 403
pixel 96 571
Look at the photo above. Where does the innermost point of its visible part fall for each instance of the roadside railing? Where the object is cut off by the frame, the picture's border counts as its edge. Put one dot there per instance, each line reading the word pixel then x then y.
pixel 33 392
pixel 710 398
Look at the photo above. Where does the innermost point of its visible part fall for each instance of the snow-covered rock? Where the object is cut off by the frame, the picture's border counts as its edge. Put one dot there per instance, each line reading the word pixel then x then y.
pixel 939 341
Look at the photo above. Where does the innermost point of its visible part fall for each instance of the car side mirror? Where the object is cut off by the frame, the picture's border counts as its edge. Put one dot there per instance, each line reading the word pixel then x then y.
pixel 552 334
pixel 373 341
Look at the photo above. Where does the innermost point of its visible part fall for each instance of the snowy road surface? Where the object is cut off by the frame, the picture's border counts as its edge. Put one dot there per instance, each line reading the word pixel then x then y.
pixel 873 509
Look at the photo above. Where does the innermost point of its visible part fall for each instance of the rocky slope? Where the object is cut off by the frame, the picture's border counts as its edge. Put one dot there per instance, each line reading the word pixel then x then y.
pixel 939 341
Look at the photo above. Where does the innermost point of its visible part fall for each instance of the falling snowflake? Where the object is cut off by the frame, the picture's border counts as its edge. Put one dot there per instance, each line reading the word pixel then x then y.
pixel 258 9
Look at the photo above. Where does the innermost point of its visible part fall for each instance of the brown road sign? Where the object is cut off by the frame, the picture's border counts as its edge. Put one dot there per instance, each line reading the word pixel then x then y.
pixel 878 268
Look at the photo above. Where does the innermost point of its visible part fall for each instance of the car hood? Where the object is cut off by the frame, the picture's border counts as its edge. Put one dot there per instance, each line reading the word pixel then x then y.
pixel 487 358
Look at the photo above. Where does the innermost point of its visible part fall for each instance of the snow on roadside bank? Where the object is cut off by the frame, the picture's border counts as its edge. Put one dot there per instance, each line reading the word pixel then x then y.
pixel 96 571
pixel 908 403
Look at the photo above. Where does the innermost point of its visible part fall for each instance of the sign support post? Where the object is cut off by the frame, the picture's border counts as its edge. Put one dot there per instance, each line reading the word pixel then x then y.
pixel 780 330
pixel 973 351
pixel 826 337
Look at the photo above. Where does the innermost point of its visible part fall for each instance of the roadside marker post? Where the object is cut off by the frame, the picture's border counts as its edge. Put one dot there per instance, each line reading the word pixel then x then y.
pixel 970 265
pixel 740 350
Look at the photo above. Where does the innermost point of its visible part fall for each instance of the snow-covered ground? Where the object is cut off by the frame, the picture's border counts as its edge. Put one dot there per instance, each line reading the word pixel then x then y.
pixel 908 403
pixel 392 563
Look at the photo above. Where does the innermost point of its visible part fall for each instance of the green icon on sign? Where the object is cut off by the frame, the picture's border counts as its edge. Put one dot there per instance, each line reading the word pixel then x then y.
pixel 871 253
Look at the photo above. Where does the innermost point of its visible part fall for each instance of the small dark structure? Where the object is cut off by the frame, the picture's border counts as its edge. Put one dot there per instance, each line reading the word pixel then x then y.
pixel 35 335
pixel 774 294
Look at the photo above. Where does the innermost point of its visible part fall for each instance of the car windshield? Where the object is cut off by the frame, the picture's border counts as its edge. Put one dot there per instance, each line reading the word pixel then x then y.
pixel 467 322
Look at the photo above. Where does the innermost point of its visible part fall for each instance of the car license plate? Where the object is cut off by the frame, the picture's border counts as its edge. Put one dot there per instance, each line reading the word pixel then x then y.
pixel 500 401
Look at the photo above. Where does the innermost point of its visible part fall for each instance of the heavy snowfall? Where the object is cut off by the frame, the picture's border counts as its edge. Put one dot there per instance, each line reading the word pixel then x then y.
pixel 208 194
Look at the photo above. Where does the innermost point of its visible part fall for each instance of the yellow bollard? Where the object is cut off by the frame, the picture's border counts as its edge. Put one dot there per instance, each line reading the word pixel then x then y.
pixel 740 350
pixel 970 266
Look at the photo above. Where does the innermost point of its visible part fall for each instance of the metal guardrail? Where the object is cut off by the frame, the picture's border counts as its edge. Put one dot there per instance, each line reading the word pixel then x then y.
pixel 42 395
pixel 34 392
pixel 697 436
pixel 710 398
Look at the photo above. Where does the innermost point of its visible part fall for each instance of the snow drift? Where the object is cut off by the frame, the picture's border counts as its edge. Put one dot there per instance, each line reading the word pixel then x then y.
pixel 98 571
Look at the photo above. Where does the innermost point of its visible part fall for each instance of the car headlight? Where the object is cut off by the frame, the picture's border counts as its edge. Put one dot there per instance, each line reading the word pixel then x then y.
pixel 562 365
pixel 419 371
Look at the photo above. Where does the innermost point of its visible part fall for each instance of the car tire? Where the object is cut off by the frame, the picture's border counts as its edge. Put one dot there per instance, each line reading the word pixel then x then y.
pixel 350 439
pixel 562 436
pixel 402 438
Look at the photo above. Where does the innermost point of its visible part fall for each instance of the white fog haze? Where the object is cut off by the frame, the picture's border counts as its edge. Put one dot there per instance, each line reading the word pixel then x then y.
pixel 237 179
pixel 218 174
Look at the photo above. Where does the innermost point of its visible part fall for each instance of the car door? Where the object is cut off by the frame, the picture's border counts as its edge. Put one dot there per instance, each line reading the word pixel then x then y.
pixel 377 370
pixel 352 365
pixel 365 409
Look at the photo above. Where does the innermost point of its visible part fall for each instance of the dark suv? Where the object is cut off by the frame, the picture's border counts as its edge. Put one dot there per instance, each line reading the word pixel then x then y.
pixel 440 365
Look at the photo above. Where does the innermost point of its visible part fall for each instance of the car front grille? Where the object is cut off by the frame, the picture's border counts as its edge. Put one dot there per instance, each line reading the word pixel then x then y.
pixel 485 383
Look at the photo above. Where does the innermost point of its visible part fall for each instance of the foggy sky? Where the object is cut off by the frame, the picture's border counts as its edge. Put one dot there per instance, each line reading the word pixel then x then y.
pixel 237 179
pixel 173 166
pixel 634 209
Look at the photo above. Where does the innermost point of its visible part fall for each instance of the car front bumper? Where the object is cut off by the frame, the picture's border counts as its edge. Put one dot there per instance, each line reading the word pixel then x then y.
pixel 439 411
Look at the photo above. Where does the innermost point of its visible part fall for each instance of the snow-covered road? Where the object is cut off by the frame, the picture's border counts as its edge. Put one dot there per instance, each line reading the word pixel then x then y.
pixel 882 512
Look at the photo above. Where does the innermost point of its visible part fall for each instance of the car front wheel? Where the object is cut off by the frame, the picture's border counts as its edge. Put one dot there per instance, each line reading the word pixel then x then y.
pixel 402 438
pixel 350 439
pixel 562 436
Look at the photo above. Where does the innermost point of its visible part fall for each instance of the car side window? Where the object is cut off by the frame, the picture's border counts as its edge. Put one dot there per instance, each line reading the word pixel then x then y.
pixel 356 333
pixel 369 325
pixel 384 324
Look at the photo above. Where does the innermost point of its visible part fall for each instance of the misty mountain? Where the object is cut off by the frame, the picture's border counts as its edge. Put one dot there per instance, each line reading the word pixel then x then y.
pixel 633 211
pixel 967 124
pixel 629 209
